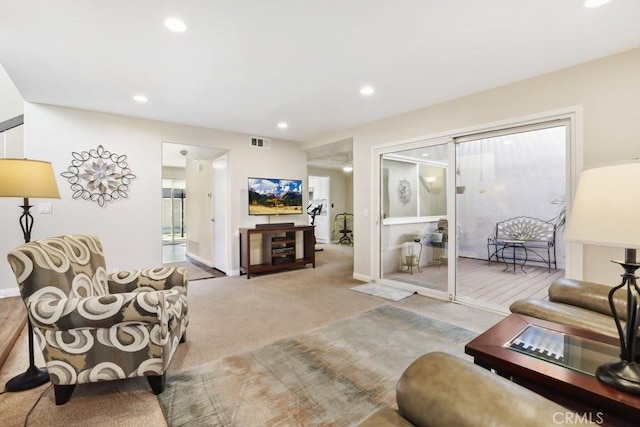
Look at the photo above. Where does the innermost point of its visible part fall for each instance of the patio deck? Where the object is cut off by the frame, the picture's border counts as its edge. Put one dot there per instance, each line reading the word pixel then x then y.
pixel 485 283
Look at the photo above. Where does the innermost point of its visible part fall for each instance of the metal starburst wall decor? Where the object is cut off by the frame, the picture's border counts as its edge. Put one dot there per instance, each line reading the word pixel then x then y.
pixel 99 175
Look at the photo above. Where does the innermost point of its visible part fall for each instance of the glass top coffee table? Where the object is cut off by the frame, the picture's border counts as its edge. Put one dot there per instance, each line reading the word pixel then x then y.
pixel 558 362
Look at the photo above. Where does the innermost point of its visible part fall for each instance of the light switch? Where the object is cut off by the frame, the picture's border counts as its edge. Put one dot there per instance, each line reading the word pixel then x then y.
pixel 44 208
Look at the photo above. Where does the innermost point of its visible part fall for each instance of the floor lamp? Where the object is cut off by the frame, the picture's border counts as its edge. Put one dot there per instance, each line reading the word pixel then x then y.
pixel 606 212
pixel 26 179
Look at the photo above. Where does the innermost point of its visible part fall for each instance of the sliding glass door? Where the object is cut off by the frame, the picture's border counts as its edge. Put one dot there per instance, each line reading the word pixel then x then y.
pixel 512 179
pixel 441 200
pixel 414 235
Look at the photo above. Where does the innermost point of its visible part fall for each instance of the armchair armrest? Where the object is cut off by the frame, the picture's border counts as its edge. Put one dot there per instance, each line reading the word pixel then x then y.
pixel 588 295
pixel 103 311
pixel 149 279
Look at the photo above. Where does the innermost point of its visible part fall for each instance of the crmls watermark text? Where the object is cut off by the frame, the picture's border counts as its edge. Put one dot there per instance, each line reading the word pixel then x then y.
pixel 575 418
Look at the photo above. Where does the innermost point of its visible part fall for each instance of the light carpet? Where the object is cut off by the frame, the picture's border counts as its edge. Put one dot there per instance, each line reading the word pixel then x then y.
pixel 383 291
pixel 334 375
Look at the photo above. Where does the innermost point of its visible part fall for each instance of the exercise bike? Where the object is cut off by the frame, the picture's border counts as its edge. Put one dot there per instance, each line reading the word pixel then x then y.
pixel 314 210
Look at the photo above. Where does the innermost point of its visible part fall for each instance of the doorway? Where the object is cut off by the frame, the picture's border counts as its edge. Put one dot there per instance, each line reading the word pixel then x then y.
pixel 319 189
pixel 194 219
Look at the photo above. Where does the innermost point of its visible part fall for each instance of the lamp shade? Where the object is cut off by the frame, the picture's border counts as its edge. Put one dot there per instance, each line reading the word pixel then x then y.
pixel 606 210
pixel 27 178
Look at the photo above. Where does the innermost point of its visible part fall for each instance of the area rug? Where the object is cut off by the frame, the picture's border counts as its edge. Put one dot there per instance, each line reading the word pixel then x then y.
pixel 383 291
pixel 334 375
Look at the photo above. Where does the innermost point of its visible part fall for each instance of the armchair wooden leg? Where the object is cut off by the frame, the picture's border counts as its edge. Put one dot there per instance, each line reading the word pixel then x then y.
pixel 156 382
pixel 63 393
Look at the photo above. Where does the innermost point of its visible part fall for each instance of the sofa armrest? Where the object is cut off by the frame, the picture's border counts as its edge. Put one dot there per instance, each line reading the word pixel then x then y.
pixel 588 295
pixel 104 311
pixel 441 390
pixel 149 279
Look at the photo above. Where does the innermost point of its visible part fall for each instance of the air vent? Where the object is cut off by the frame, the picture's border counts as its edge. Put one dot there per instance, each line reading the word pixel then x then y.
pixel 259 142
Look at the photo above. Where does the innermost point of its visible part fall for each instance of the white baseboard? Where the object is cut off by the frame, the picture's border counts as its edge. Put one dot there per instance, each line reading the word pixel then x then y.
pixel 10 292
pixel 361 277
pixel 199 259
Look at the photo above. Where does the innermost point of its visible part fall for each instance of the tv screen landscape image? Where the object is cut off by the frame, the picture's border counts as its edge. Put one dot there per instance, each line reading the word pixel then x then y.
pixel 275 196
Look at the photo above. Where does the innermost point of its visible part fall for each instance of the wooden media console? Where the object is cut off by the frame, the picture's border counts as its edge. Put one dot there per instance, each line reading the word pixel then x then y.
pixel 276 248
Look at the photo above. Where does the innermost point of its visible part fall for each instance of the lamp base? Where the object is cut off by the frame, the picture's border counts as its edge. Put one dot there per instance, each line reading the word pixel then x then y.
pixel 31 378
pixel 624 376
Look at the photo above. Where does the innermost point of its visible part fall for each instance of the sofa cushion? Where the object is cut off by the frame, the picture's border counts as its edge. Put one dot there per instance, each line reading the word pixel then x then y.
pixel 588 295
pixel 566 314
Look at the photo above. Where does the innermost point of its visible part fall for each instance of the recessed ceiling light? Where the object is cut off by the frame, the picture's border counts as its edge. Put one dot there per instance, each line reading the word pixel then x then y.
pixel 366 90
pixel 595 3
pixel 425 154
pixel 283 125
pixel 140 98
pixel 175 25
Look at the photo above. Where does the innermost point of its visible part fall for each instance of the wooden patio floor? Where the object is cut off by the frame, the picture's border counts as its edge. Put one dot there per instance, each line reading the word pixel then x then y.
pixel 488 283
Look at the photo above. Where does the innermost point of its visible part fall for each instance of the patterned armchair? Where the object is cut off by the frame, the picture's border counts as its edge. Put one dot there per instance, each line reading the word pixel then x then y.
pixel 92 326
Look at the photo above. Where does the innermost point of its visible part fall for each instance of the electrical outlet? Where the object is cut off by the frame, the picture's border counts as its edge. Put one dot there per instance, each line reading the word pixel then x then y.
pixel 44 208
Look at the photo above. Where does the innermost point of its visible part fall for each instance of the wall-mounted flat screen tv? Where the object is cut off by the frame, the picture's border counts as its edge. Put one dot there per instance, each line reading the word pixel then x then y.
pixel 275 196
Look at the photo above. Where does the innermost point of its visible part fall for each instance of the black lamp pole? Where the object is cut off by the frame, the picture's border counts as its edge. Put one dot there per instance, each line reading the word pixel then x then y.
pixel 625 374
pixel 33 376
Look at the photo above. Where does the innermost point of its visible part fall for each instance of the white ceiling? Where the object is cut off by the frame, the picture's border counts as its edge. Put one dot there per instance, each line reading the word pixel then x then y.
pixel 177 155
pixel 246 65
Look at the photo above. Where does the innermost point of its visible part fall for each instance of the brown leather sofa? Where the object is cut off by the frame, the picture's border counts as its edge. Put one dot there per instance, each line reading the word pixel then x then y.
pixel 439 389
pixel 576 303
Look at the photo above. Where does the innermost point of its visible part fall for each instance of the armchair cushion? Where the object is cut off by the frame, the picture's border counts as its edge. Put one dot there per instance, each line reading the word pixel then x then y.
pixel 158 279
pixel 105 311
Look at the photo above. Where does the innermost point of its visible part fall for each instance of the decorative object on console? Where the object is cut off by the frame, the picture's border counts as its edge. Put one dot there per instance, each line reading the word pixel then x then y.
pixel 99 175
pixel 604 213
pixel 27 179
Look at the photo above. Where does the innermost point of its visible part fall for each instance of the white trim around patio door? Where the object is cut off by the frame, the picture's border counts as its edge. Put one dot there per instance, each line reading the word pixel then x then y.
pixel 572 116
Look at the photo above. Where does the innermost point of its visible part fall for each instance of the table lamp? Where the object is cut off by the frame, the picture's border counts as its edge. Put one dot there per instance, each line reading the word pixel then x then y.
pixel 27 178
pixel 606 212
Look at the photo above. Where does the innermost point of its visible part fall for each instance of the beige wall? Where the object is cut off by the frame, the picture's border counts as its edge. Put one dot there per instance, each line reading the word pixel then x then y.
pixel 130 229
pixel 607 89
pixel 12 104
